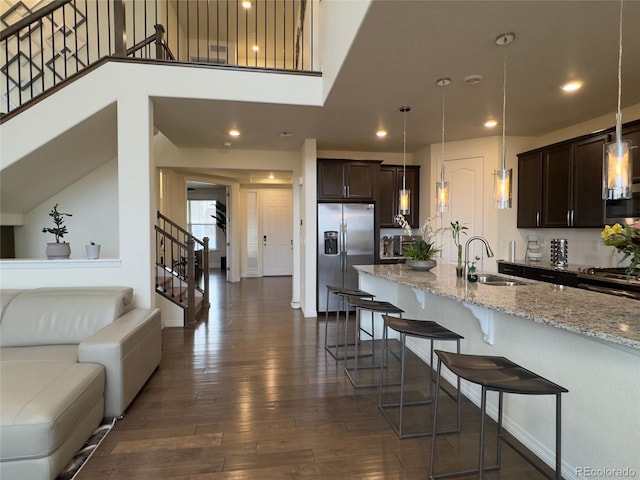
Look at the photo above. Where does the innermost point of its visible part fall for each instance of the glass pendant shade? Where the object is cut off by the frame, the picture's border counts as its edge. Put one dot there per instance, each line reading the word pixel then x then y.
pixel 442 196
pixel 405 204
pixel 503 188
pixel 617 170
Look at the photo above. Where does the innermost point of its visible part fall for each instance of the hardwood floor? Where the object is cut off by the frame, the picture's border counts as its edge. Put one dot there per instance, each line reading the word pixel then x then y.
pixel 250 393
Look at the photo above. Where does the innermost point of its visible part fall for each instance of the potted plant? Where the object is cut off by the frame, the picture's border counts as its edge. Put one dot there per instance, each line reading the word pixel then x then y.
pixel 93 251
pixel 423 252
pixel 456 230
pixel 58 249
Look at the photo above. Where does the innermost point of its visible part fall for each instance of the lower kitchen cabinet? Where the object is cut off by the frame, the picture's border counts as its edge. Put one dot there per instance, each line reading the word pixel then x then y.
pixel 538 273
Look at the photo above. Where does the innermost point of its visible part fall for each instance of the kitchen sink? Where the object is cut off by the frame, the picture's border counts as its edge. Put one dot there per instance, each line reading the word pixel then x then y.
pixel 499 281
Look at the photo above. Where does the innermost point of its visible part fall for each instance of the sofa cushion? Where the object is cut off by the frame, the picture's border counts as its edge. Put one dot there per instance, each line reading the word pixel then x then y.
pixel 6 296
pixel 61 353
pixel 52 316
pixel 42 401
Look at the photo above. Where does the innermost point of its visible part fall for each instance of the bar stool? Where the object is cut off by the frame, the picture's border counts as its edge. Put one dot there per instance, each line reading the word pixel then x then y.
pixel 500 375
pixel 419 329
pixel 374 306
pixel 340 293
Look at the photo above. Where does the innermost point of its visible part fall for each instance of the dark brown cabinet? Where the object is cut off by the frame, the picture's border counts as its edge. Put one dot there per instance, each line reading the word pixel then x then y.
pixel 340 180
pixel 390 183
pixel 530 190
pixel 561 185
pixel 539 273
pixel 556 186
pixel 632 134
pixel 587 203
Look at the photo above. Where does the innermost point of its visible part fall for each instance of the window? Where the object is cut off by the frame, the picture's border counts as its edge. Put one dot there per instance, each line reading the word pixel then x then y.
pixel 201 217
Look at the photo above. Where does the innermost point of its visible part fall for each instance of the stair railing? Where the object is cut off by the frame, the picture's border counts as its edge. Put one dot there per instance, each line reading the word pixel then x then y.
pixel 51 44
pixel 178 265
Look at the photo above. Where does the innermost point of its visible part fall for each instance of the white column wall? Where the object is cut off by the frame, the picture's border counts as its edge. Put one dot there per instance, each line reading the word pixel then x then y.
pixel 309 222
pixel 136 192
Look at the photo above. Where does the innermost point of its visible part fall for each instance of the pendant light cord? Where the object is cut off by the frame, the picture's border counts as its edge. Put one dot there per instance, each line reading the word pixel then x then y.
pixel 442 151
pixel 504 112
pixel 404 148
pixel 619 113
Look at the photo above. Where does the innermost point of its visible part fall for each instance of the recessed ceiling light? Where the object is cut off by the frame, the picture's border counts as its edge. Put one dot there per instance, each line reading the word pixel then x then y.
pixel 473 79
pixel 234 133
pixel 381 133
pixel 246 4
pixel 227 144
pixel 286 134
pixel 572 86
pixel 490 123
pixel 256 48
pixel 271 176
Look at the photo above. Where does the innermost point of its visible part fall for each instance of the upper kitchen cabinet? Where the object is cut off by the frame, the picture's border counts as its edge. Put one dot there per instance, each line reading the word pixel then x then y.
pixel 530 190
pixel 556 186
pixel 390 183
pixel 340 180
pixel 587 202
pixel 561 185
pixel 632 134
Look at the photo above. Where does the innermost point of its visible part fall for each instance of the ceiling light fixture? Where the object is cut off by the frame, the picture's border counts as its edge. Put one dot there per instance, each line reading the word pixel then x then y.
pixel 381 133
pixel 572 86
pixel 246 4
pixel 256 48
pixel 442 187
pixel 502 188
pixel 473 79
pixel 405 195
pixel 491 123
pixel 234 133
pixel 617 155
pixel 271 176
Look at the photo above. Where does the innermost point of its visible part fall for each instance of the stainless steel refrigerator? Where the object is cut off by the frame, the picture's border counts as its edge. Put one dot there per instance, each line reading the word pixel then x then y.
pixel 345 238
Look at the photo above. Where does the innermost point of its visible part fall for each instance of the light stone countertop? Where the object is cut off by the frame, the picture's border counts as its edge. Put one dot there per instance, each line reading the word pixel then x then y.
pixel 599 315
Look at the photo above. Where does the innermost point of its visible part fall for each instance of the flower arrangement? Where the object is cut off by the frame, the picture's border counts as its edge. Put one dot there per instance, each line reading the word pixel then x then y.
pixel 626 239
pixel 60 229
pixel 425 249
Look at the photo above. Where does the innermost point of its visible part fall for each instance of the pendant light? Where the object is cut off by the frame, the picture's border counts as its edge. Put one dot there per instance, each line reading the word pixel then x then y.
pixel 617 155
pixel 442 187
pixel 405 195
pixel 502 188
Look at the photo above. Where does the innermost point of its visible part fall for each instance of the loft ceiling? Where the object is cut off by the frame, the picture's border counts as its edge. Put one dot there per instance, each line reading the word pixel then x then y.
pixel 403 47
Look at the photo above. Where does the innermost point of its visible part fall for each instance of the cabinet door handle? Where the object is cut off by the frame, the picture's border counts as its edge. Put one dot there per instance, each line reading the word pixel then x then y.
pixel 573 223
pixel 568 218
pixel 552 277
pixel 537 219
pixel 348 192
pixel 344 191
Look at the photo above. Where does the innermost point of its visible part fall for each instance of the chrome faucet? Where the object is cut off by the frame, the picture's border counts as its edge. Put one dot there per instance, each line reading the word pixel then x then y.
pixel 466 252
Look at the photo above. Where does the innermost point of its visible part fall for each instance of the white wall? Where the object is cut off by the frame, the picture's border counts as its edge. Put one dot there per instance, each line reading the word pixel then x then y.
pixel 93 203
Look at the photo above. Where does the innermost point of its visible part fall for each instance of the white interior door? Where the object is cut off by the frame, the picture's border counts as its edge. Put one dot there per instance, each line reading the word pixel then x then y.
pixel 465 177
pixel 277 232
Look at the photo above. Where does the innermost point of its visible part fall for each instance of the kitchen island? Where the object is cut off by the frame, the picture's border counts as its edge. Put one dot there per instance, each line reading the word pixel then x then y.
pixel 588 342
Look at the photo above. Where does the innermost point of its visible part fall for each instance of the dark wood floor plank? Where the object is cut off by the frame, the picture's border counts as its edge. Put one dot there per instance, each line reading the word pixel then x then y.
pixel 249 392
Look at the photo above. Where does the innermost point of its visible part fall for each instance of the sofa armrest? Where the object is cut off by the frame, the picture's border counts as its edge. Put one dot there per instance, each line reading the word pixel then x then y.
pixel 130 350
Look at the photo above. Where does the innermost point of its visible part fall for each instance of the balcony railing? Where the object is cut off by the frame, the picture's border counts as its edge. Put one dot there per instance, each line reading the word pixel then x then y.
pixel 42 48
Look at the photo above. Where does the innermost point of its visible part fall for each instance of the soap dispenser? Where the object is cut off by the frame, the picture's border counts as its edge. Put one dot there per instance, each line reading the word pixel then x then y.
pixel 472 276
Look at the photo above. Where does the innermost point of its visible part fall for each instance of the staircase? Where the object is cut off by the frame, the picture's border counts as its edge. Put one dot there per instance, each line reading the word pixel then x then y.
pixel 182 266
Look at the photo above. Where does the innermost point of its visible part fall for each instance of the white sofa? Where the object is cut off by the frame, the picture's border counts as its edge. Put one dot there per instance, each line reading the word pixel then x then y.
pixel 68 358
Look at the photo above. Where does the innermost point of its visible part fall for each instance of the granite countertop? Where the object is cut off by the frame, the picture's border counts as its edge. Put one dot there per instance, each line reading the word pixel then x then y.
pixel 610 318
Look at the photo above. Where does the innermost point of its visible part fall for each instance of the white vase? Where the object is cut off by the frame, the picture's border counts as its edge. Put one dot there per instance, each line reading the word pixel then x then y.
pixel 56 251
pixel 93 251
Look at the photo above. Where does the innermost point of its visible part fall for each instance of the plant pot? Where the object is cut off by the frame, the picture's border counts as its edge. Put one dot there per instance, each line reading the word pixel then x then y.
pixel 421 264
pixel 56 251
pixel 93 251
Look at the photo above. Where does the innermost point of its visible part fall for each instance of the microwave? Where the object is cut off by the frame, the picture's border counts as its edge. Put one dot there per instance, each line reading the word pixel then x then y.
pixel 624 210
